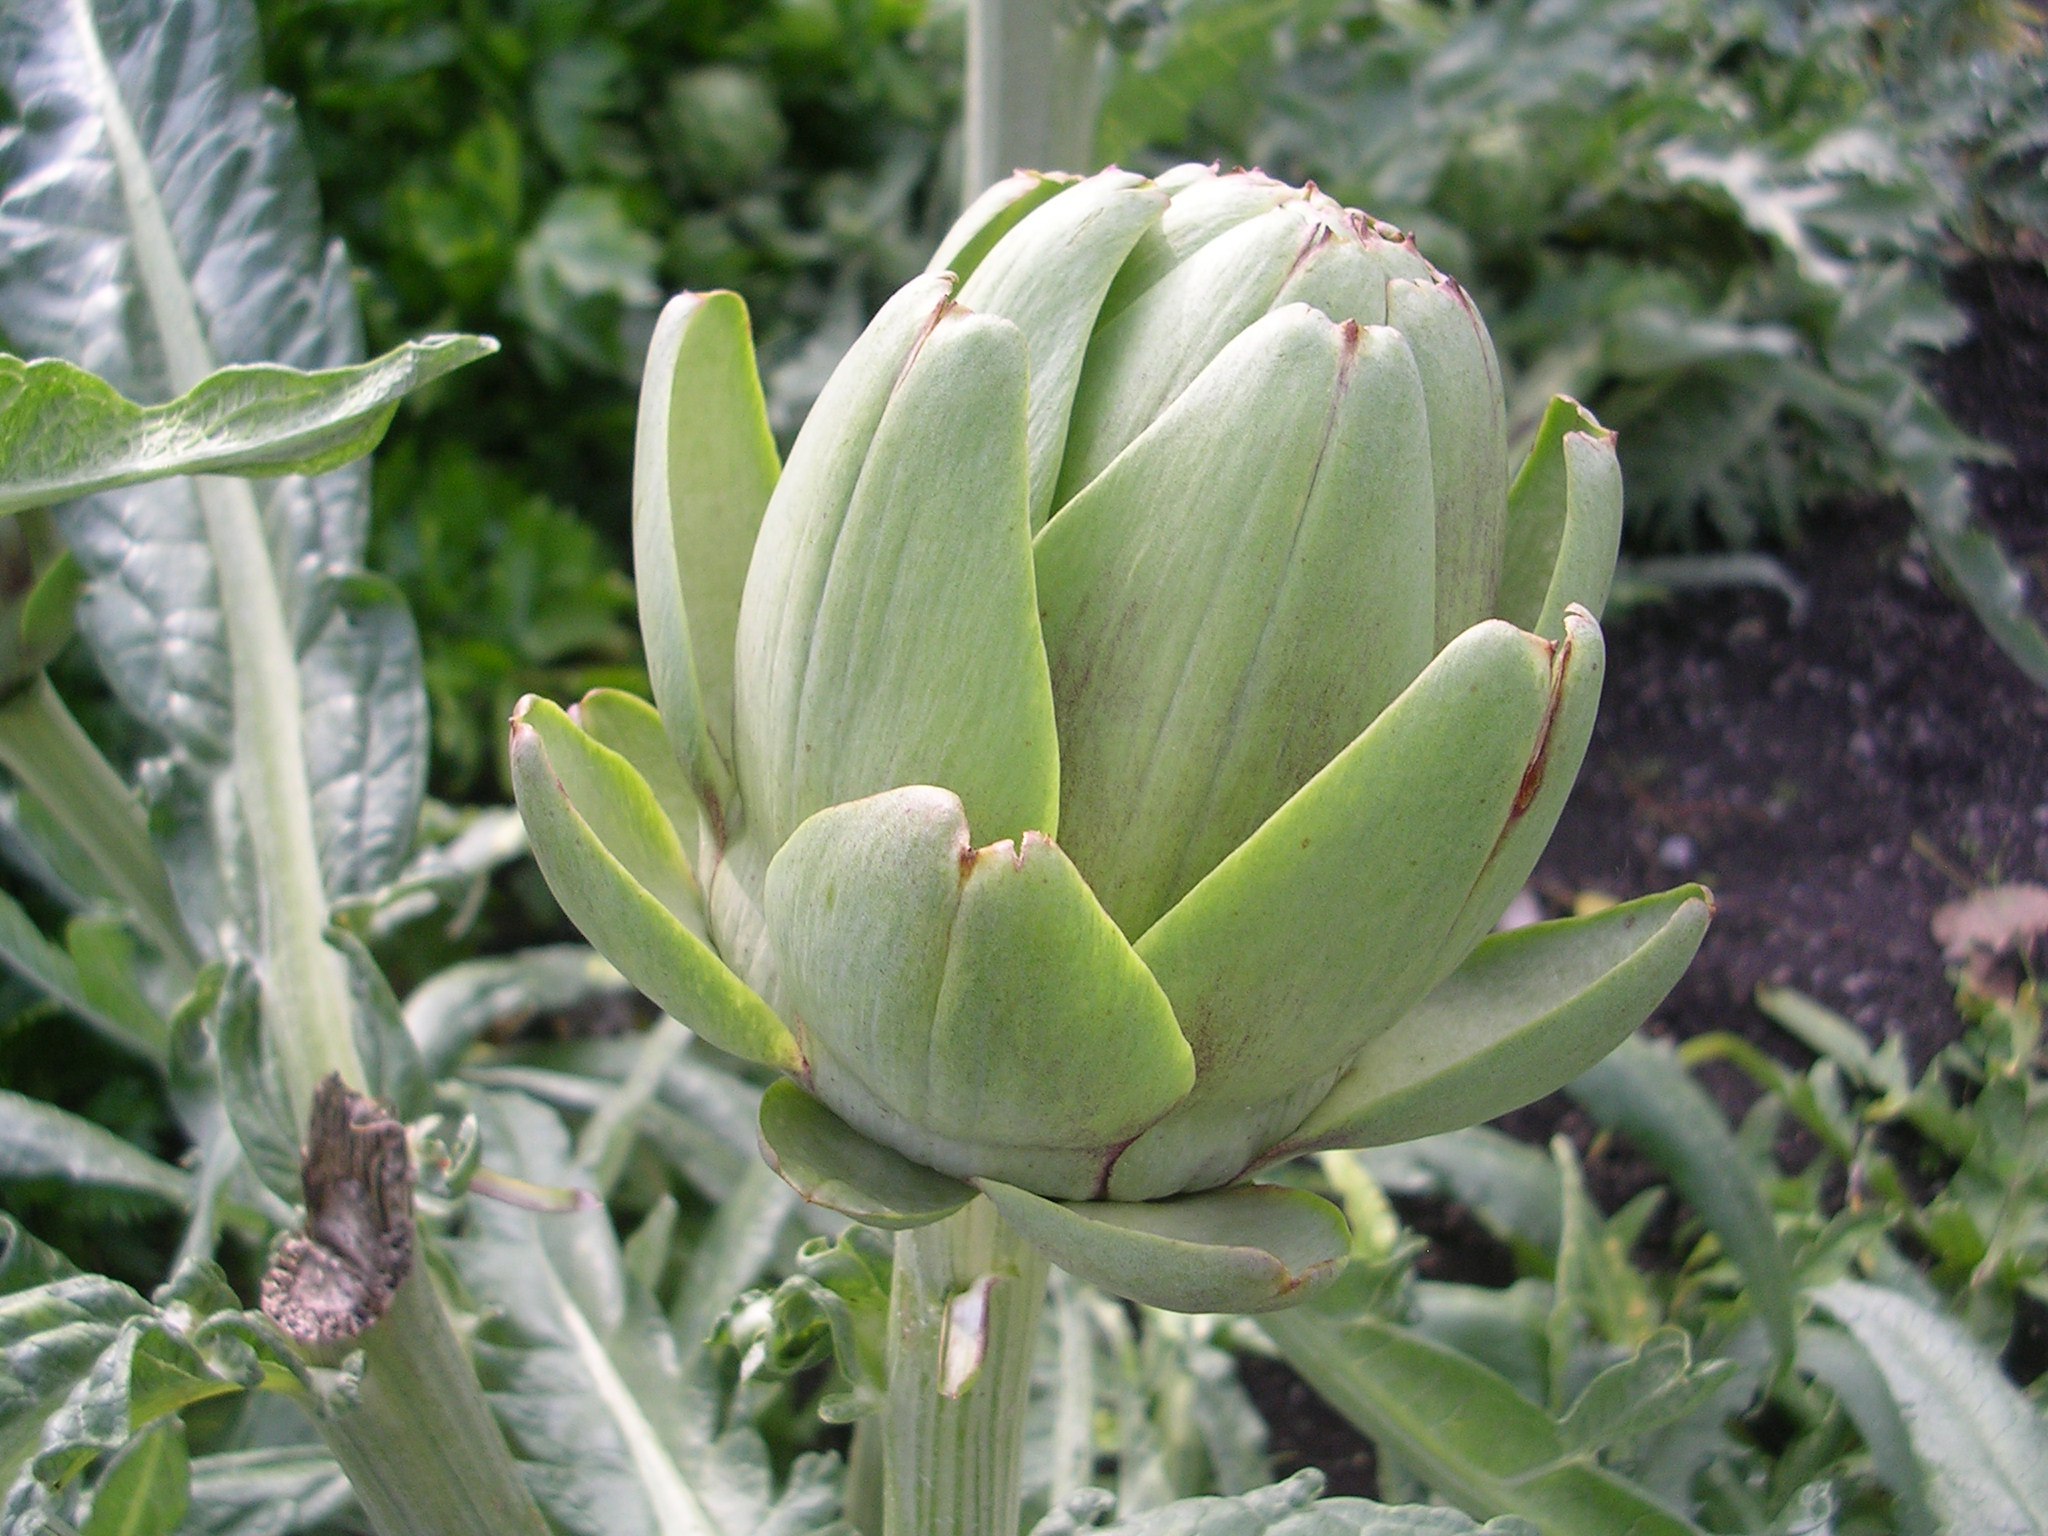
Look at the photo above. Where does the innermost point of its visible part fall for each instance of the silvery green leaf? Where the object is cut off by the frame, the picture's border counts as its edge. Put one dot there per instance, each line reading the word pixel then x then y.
pixel 1292 1508
pixel 446 1012
pixel 55 973
pixel 391 1061
pixel 251 1081
pixel 102 1366
pixel 1981 1445
pixel 617 1437
pixel 366 735
pixel 65 433
pixel 287 1490
pixel 52 1334
pixel 756 1224
pixel 218 205
pixel 41 1143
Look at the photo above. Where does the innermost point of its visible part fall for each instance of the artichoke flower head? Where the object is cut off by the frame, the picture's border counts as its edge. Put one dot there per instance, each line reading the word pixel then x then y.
pixel 1090 769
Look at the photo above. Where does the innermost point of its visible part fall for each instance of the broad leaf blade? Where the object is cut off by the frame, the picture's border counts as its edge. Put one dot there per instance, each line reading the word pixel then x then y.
pixel 151 150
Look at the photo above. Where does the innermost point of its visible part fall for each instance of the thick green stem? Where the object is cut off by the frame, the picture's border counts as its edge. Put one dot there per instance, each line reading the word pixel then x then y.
pixel 57 763
pixel 963 1326
pixel 424 1455
pixel 1033 86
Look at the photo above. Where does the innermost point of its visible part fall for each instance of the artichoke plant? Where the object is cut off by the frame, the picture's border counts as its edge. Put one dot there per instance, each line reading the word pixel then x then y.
pixel 1091 768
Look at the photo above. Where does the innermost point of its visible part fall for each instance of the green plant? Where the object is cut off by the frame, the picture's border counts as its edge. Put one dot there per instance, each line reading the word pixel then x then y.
pixel 1213 595
pixel 1808 1348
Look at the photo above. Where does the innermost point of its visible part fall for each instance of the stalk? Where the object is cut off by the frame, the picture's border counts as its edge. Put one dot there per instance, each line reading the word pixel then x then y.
pixel 425 1460
pixel 420 1445
pixel 57 764
pixel 953 1439
pixel 1033 90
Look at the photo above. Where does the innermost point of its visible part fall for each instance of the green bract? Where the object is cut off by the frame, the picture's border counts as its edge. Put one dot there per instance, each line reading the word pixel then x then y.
pixel 1092 766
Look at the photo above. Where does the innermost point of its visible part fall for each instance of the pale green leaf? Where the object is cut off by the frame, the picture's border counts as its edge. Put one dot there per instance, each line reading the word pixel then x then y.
pixel 65 433
pixel 704 466
pixel 831 1164
pixel 1048 276
pixel 1252 1248
pixel 991 216
pixel 1346 907
pixel 1526 1013
pixel 906 951
pixel 889 634
pixel 1468 443
pixel 1563 522
pixel 621 877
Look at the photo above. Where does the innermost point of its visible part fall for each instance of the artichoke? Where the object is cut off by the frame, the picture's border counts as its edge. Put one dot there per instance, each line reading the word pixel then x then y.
pixel 1092 767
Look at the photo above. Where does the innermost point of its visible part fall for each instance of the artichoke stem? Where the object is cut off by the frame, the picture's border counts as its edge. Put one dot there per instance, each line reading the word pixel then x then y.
pixel 963 1325
pixel 58 765
pixel 419 1444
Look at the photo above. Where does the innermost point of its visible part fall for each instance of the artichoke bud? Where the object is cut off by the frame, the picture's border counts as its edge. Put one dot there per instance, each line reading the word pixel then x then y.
pixel 1092 765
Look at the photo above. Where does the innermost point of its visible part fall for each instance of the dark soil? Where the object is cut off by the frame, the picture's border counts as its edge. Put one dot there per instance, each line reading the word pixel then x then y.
pixel 1834 776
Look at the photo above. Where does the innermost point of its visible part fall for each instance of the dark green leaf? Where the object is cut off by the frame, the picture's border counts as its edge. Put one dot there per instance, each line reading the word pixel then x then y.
pixel 1644 1093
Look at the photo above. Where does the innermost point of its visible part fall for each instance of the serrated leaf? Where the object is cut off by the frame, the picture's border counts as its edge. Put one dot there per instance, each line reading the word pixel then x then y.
pixel 65 433
pixel 1982 1447
pixel 101 1366
pixel 619 1440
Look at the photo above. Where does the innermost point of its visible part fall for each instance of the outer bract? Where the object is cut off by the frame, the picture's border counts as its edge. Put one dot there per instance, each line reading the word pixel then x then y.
pixel 1092 765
